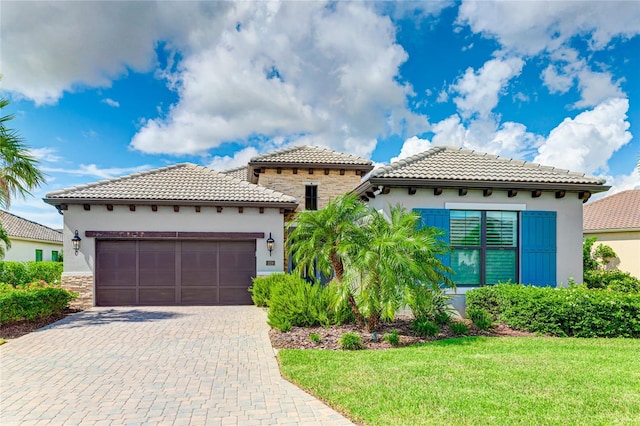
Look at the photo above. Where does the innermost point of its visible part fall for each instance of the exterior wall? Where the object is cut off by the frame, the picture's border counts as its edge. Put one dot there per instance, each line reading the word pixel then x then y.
pixel 78 270
pixel 329 186
pixel 25 250
pixel 627 247
pixel 569 219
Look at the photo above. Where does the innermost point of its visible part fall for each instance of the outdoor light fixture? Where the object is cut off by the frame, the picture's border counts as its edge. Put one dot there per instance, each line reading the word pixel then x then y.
pixel 270 243
pixel 76 242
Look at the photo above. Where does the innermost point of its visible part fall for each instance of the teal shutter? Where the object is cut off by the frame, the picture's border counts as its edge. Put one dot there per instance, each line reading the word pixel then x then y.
pixel 437 218
pixel 538 260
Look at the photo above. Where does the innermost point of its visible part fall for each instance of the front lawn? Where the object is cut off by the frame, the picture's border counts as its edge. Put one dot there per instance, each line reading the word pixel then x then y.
pixel 478 380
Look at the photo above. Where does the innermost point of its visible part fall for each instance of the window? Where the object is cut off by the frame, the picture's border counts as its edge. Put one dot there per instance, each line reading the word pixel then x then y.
pixel 484 246
pixel 38 255
pixel 54 256
pixel 311 197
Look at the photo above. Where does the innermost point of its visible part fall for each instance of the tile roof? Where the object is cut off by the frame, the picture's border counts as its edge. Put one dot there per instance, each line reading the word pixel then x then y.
pixel 310 155
pixel 241 172
pixel 17 227
pixel 448 163
pixel 617 211
pixel 180 182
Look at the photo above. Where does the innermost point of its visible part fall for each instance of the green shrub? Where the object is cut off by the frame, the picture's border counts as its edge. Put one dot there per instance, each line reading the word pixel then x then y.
pixel 315 338
pixel 426 302
pixel 262 286
pixel 19 273
pixel 615 280
pixel 351 341
pixel 425 327
pixel 459 328
pixel 295 302
pixel 392 338
pixel 29 302
pixel 575 311
pixel 481 318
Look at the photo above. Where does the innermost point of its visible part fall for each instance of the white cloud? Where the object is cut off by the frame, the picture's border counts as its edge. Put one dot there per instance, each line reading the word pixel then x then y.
pixel 528 28
pixel 596 87
pixel 111 102
pixel 556 81
pixel 299 71
pixel 478 91
pixel 45 154
pixel 587 142
pixel 412 146
pixel 619 183
pixel 239 158
pixel 95 171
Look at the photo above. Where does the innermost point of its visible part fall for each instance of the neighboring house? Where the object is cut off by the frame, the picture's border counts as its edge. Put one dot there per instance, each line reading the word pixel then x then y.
pixel 506 220
pixel 190 235
pixel 30 240
pixel 615 220
pixel 179 235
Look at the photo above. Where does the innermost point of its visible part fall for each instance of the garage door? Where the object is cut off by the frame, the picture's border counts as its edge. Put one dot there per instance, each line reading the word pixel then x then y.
pixel 153 272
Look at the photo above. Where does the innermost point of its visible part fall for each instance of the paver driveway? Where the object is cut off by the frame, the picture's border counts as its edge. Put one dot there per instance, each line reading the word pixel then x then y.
pixel 173 365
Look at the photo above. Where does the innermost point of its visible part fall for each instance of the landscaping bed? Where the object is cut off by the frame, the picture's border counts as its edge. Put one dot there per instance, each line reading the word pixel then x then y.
pixel 299 337
pixel 16 329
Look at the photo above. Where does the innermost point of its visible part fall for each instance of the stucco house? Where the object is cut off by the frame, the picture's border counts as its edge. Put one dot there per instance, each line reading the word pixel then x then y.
pixel 615 220
pixel 186 234
pixel 30 241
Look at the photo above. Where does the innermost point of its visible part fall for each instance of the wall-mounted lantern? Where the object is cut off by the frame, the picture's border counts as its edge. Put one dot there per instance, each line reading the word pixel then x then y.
pixel 76 240
pixel 270 243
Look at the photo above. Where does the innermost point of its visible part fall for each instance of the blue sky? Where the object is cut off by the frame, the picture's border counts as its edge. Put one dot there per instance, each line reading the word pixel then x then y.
pixel 103 89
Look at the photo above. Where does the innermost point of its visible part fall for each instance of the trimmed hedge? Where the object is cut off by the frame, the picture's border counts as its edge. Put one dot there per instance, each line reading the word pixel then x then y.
pixel 576 311
pixel 615 280
pixel 32 301
pixel 21 273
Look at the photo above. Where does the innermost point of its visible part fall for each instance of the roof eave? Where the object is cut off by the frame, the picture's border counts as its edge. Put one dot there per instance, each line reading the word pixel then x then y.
pixel 609 230
pixel 120 201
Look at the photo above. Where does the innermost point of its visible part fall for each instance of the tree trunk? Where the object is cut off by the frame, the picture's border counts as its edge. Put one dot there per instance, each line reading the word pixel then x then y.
pixel 338 267
pixel 374 322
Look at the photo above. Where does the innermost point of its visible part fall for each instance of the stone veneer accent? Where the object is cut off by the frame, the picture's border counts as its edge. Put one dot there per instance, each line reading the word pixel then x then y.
pixel 329 186
pixel 83 286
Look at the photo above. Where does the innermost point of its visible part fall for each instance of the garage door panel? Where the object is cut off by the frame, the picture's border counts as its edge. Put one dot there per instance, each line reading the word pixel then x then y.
pixel 231 278
pixel 157 296
pixel 235 296
pixel 116 297
pixel 199 295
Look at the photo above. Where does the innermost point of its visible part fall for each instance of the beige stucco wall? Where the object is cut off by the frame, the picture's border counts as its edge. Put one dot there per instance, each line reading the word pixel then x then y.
pixel 329 186
pixel 25 250
pixel 627 247
pixel 165 219
pixel 569 218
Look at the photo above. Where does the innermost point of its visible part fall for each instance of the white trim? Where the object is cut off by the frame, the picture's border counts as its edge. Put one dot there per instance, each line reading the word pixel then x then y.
pixel 485 206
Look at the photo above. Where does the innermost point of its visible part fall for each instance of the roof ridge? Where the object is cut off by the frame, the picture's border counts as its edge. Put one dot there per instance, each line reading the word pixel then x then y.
pixel 412 158
pixel 119 178
pixel 278 151
pixel 340 155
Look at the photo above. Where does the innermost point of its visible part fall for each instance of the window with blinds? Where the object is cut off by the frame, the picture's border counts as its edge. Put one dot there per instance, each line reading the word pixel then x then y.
pixel 485 246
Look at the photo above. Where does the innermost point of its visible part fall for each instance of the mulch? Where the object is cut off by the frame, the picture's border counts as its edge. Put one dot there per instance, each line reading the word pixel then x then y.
pixel 298 337
pixel 16 329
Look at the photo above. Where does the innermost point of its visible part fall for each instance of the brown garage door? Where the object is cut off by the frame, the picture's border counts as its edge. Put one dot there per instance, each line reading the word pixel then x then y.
pixel 149 272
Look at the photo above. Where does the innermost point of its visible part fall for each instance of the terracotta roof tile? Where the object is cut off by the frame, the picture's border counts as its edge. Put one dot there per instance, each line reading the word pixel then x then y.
pixel 617 211
pixel 181 182
pixel 241 172
pixel 447 163
pixel 15 226
pixel 310 155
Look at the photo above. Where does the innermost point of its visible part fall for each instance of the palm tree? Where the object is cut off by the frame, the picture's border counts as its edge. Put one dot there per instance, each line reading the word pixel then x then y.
pixel 395 257
pixel 322 240
pixel 19 172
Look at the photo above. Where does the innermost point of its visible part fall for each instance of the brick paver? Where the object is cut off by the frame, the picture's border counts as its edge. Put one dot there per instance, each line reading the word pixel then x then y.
pixel 152 365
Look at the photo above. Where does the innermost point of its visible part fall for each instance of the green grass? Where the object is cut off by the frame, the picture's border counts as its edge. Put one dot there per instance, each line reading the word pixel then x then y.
pixel 478 380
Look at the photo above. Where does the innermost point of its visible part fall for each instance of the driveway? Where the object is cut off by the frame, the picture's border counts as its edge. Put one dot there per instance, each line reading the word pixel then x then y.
pixel 156 365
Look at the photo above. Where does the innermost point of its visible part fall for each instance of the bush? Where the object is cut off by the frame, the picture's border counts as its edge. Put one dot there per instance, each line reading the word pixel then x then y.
pixel 392 338
pixel 575 311
pixel 459 328
pixel 425 327
pixel 29 302
pixel 295 302
pixel 433 304
pixel 261 288
pixel 315 338
pixel 20 273
pixel 481 318
pixel 614 280
pixel 351 341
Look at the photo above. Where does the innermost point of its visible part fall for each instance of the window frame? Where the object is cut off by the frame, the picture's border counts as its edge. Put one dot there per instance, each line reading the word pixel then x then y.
pixel 484 247
pixel 311 199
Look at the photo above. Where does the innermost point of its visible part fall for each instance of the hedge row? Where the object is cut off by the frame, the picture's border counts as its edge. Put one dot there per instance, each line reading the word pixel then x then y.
pixel 20 273
pixel 32 301
pixel 292 301
pixel 575 311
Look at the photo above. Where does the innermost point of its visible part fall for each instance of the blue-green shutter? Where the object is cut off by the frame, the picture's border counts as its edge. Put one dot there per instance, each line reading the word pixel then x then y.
pixel 538 260
pixel 437 218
